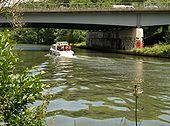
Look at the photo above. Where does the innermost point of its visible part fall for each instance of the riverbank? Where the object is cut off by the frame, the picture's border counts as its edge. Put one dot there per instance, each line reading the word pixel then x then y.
pixel 32 47
pixel 158 50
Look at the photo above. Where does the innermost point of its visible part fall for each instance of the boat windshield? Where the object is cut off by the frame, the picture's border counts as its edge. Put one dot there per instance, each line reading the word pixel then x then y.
pixel 53 46
pixel 63 46
pixel 62 43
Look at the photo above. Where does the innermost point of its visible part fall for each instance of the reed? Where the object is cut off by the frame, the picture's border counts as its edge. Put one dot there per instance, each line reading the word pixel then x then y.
pixel 75 123
pixel 137 90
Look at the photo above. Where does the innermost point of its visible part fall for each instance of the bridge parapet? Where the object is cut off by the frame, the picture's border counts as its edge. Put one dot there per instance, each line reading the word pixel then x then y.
pixel 113 6
pixel 92 16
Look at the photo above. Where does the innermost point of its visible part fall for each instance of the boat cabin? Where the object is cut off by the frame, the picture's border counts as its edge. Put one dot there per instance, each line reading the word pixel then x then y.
pixel 61 46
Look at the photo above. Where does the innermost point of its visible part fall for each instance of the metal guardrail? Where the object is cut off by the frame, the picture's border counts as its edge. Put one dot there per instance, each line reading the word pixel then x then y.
pixel 93 6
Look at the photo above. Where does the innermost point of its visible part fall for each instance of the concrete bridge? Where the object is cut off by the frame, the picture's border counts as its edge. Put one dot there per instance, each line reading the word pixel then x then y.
pixel 93 19
pixel 114 24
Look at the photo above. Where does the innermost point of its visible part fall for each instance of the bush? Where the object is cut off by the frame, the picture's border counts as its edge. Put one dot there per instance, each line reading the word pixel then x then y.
pixel 82 44
pixel 17 90
pixel 157 50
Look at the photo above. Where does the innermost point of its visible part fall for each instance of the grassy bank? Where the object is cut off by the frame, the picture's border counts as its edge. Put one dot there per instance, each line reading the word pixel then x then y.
pixel 160 50
pixel 80 45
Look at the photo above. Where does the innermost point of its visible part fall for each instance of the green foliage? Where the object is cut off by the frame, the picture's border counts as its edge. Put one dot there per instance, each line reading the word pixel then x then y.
pixel 47 36
pixel 82 44
pixel 156 50
pixel 17 90
pixel 72 36
pixel 34 35
pixel 80 1
pixel 167 36
pixel 76 3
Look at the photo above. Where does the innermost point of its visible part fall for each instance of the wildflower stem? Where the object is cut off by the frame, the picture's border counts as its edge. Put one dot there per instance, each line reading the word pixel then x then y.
pixel 74 122
pixel 136 115
pixel 136 106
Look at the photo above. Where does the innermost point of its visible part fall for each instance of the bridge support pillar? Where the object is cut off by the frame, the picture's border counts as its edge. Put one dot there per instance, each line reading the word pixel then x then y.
pixel 116 39
pixel 139 38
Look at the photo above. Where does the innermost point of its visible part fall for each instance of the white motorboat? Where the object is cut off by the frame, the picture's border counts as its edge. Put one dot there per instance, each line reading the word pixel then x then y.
pixel 61 49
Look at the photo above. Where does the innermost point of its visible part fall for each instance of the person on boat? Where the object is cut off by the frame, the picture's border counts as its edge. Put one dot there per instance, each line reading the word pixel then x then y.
pixel 62 48
pixel 59 47
pixel 66 47
pixel 69 47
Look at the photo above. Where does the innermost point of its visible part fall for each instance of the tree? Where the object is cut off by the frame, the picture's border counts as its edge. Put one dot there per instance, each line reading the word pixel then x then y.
pixel 72 36
pixel 34 35
pixel 167 35
pixel 17 89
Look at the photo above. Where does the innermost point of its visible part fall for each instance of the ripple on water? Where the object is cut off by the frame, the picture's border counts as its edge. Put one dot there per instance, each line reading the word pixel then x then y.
pixel 117 100
pixel 53 90
pixel 164 117
pixel 59 74
pixel 166 111
pixel 130 100
pixel 53 79
pixel 101 104
pixel 84 88
pixel 72 89
pixel 164 98
pixel 61 120
pixel 98 86
pixel 98 78
pixel 61 104
pixel 43 66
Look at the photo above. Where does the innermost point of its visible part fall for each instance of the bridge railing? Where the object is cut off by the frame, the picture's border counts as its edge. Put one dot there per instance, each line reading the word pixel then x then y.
pixel 93 6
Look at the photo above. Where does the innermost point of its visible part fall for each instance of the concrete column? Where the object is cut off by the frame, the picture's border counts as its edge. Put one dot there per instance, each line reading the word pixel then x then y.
pixel 139 38
pixel 127 38
pixel 117 40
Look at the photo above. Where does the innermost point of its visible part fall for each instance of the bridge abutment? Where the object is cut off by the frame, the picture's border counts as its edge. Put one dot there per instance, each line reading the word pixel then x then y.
pixel 118 39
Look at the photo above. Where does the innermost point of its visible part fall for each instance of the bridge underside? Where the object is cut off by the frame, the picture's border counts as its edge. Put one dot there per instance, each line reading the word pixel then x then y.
pixel 70 26
pixel 92 20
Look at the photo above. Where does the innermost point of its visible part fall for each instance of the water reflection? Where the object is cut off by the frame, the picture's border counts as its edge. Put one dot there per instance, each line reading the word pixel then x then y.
pixel 53 90
pixel 138 71
pixel 96 89
pixel 61 104
pixel 82 121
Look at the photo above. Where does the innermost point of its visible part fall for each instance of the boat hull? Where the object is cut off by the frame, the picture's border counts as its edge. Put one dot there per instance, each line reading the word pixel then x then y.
pixel 62 49
pixel 62 53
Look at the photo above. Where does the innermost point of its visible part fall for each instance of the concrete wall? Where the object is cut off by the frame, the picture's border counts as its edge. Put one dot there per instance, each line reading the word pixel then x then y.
pixel 118 39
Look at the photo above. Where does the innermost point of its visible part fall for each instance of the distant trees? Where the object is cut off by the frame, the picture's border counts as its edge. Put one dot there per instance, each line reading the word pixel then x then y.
pixel 47 36
pixel 104 1
pixel 34 35
pixel 72 36
pixel 94 1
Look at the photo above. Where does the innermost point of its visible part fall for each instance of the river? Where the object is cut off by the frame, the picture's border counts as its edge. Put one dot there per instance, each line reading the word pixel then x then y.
pixel 96 89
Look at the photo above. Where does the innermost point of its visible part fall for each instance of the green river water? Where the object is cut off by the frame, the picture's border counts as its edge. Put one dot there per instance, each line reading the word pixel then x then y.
pixel 96 89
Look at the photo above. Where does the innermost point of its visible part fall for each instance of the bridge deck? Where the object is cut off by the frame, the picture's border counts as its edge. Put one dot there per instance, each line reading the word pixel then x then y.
pixel 92 16
pixel 58 10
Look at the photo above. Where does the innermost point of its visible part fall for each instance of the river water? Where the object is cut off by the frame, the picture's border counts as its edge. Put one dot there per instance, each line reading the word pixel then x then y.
pixel 96 89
